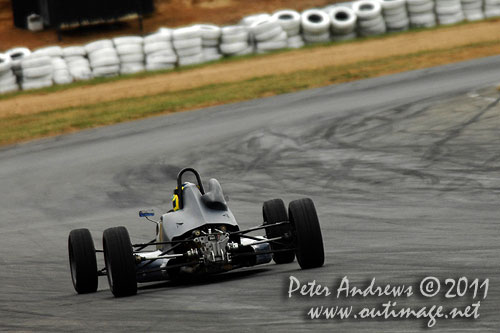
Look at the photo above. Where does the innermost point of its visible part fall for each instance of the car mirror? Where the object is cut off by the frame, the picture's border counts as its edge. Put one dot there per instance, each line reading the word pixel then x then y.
pixel 146 213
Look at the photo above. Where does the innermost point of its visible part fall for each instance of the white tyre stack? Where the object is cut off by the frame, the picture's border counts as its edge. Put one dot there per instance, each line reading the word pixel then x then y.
pixel 315 26
pixel 61 74
pixel 449 11
pixel 78 64
pixel 290 23
pixel 8 81
pixel 421 13
pixel 473 9
pixel 343 23
pixel 370 20
pixel 51 51
pixel 37 72
pixel 131 53
pixel 268 35
pixel 210 38
pixel 160 54
pixel 395 15
pixel 491 8
pixel 103 58
pixel 188 45
pixel 247 21
pixel 234 40
pixel 329 8
pixel 17 55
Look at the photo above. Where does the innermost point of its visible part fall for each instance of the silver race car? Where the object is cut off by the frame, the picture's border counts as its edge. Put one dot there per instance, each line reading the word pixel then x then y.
pixel 198 236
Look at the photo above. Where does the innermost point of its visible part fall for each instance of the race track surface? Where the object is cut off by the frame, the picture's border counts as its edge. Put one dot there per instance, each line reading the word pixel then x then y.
pixel 404 171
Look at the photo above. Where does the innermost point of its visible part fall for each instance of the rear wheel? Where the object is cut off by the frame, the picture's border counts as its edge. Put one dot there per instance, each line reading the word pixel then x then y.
pixel 308 239
pixel 82 261
pixel 120 263
pixel 275 211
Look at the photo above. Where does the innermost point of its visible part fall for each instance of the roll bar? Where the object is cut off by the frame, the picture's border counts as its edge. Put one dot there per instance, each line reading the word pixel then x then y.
pixel 179 184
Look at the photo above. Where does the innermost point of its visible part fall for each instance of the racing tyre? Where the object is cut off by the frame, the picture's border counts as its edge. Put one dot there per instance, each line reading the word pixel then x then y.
pixel 82 261
pixel 308 240
pixel 274 211
pixel 119 259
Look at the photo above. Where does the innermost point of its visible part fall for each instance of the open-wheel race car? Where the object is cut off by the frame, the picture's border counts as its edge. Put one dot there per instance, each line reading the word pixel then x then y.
pixel 198 236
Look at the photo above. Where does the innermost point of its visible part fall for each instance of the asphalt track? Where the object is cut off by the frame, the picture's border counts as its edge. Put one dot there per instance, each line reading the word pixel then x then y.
pixel 404 171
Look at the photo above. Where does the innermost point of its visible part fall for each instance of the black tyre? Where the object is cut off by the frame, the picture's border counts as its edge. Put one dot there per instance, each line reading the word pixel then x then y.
pixel 120 263
pixel 307 232
pixel 82 261
pixel 275 211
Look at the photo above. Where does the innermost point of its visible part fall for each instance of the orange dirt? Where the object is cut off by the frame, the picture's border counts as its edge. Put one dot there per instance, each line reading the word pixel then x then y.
pixel 260 66
pixel 168 13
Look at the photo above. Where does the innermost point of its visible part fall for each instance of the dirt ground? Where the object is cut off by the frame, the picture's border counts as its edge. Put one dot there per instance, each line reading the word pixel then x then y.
pixel 287 62
pixel 168 13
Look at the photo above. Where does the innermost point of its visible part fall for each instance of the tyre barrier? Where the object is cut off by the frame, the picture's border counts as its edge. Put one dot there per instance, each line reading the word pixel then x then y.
pixel 78 64
pixel 395 15
pixel 259 33
pixel 37 72
pixel 188 45
pixel 74 51
pixel 343 21
pixel 289 21
pixel 473 10
pixel 235 40
pixel 449 12
pixel 17 55
pixel 5 63
pixel 130 50
pixel 370 20
pixel 61 74
pixel 249 20
pixel 159 51
pixel 315 26
pixel 51 51
pixel 268 35
pixel 210 39
pixel 491 8
pixel 421 13
pixel 103 58
pixel 8 81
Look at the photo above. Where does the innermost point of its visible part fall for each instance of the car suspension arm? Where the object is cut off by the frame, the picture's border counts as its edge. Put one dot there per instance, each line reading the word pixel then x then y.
pixel 166 268
pixel 284 237
pixel 143 245
pixel 249 254
pixel 241 232
pixel 161 254
pixel 267 240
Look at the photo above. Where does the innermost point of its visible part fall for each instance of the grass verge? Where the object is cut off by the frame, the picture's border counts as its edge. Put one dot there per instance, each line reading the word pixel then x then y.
pixel 97 81
pixel 19 128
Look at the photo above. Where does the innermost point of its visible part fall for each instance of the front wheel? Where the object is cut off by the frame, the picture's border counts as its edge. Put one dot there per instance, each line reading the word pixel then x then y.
pixel 120 263
pixel 274 211
pixel 82 261
pixel 308 239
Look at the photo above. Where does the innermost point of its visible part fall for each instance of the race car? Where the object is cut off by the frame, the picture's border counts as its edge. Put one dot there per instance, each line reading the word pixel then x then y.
pixel 198 236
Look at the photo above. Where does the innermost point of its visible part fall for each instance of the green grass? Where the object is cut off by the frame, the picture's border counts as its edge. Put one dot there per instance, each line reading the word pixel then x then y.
pixel 18 128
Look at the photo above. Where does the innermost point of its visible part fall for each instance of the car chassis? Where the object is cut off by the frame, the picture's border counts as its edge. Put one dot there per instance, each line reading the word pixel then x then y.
pixel 199 236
